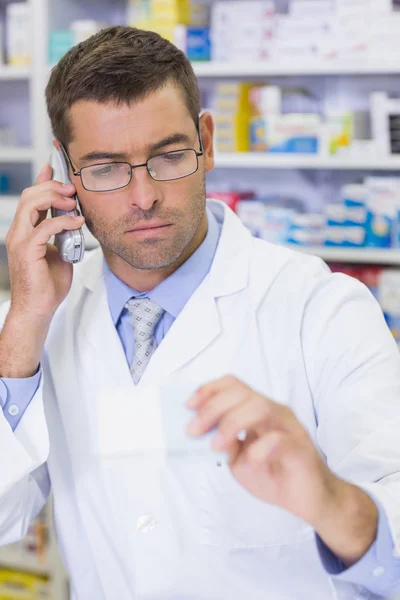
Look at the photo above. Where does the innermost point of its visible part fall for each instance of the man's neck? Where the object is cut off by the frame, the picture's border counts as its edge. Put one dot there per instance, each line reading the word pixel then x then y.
pixel 145 281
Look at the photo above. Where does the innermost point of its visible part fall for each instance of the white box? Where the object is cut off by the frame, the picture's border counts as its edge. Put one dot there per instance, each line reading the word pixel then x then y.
pixel 85 28
pixel 311 8
pixel 18 34
pixel 2 61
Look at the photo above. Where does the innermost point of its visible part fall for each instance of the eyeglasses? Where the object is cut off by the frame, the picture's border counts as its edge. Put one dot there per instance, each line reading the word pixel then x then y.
pixel 111 176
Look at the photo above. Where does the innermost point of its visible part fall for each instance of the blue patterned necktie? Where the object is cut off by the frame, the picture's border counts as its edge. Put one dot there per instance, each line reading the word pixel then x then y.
pixel 145 315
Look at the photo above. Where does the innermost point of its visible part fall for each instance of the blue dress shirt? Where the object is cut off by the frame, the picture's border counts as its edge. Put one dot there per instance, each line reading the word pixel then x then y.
pixel 379 569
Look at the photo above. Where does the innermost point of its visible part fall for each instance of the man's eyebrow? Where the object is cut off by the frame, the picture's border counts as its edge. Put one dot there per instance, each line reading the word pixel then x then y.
pixel 175 138
pixel 99 156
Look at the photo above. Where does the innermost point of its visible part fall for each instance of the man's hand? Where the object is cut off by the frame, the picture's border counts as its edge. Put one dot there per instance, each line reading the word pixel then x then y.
pixel 278 463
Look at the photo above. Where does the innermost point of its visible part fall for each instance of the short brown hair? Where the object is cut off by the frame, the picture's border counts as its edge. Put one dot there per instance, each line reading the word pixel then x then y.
pixel 118 64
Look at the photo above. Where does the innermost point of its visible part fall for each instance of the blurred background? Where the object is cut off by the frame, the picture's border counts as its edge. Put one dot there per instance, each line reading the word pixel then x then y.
pixel 306 99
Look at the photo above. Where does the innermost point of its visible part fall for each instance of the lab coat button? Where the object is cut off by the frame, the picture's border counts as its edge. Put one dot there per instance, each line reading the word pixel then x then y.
pixel 13 410
pixel 378 571
pixel 145 523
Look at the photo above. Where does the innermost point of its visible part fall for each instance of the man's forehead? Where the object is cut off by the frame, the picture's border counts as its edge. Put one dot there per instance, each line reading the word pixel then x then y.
pixel 168 100
pixel 148 121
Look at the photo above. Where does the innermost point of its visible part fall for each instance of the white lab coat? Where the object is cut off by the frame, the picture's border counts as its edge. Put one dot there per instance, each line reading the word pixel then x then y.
pixel 134 526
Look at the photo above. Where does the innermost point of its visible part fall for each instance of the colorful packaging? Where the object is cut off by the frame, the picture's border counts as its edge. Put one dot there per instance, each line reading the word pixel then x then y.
pixel 389 299
pixel 379 230
pixel 306 230
pixel 346 216
pixel 232 116
pixel 60 42
pixel 17 585
pixel 276 225
pixel 252 215
pixel 344 237
pixel 354 195
pixel 4 183
pixel 293 133
pixel 231 199
pixel 193 41
pixel 265 101
pixel 340 129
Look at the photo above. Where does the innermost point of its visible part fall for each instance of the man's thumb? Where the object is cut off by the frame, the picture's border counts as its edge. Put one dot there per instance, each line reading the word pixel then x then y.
pixel 45 174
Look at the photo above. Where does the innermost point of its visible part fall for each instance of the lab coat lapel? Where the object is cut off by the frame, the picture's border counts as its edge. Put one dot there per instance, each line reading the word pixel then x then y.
pixel 106 355
pixel 198 325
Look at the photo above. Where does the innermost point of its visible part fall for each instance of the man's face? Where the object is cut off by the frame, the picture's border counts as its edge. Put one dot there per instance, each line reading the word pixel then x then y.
pixel 173 212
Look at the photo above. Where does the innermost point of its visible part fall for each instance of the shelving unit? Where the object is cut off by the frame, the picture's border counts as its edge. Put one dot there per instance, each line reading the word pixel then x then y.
pixel 14 73
pixel 282 68
pixel 16 155
pixel 259 160
pixel 370 256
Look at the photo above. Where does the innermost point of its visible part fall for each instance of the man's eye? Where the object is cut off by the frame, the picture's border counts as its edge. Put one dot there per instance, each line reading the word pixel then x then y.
pixel 103 171
pixel 174 157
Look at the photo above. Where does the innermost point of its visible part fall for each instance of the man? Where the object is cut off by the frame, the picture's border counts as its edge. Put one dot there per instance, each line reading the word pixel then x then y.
pixel 293 366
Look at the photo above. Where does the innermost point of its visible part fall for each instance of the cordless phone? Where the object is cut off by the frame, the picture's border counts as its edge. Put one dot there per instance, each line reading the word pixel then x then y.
pixel 71 244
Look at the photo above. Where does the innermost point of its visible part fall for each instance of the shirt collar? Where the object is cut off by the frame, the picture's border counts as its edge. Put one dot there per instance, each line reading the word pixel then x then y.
pixel 174 292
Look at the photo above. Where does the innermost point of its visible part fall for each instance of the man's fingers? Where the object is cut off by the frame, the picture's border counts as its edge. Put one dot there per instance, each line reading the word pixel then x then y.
pixel 257 415
pixel 45 174
pixel 207 391
pixel 33 208
pixel 50 227
pixel 272 452
pixel 210 413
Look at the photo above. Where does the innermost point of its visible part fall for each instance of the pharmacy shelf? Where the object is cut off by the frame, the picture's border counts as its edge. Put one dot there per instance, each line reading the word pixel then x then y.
pixel 8 73
pixel 260 160
pixel 5 295
pixel 366 256
pixel 283 68
pixel 9 198
pixel 16 155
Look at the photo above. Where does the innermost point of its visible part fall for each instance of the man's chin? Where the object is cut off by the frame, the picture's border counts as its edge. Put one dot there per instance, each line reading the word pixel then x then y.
pixel 149 263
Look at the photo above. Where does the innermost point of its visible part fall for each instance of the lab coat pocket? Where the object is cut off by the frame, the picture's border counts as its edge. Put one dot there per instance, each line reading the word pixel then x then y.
pixel 228 515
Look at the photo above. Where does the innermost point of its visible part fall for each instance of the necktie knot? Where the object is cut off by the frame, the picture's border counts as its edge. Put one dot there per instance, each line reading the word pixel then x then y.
pixel 145 315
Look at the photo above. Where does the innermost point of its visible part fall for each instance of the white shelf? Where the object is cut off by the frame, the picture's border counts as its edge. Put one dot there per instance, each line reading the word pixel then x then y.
pixel 16 155
pixel 261 160
pixel 9 198
pixel 284 68
pixel 8 73
pixel 353 255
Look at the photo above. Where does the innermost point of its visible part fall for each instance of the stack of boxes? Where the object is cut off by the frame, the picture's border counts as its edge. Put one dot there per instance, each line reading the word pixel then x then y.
pixel 272 131
pixel 384 284
pixel 17 35
pixel 367 216
pixel 232 113
pixel 328 29
pixel 303 32
pixel 62 40
pixel 182 22
pixel 242 30
pixel 292 121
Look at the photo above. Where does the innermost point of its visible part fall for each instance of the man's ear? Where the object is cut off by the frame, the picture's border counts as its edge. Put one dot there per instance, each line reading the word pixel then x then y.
pixel 207 136
pixel 57 144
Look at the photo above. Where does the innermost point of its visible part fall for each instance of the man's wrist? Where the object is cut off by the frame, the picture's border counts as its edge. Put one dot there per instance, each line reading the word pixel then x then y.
pixel 348 525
